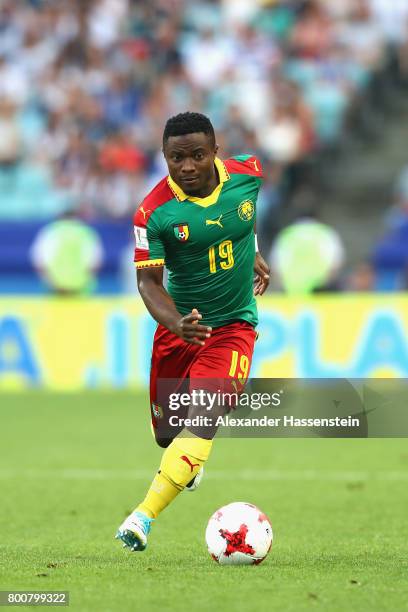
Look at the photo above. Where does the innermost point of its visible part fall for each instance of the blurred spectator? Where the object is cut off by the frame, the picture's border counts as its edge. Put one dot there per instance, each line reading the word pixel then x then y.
pixel 119 154
pixel 361 279
pixel 390 259
pixel 396 216
pixel 307 256
pixel 289 134
pixel 207 58
pixel 10 135
pixel 392 18
pixel 67 255
pixel 313 34
pixel 361 35
pixel 390 254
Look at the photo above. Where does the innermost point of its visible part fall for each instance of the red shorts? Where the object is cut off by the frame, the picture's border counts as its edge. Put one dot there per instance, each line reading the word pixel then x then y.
pixel 226 356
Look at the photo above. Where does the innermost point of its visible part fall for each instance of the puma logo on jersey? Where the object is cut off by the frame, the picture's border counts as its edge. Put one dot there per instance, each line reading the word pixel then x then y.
pixel 254 161
pixel 215 222
pixel 191 465
pixel 144 212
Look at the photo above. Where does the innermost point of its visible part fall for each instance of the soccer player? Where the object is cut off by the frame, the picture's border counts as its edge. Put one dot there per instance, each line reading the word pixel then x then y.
pixel 199 222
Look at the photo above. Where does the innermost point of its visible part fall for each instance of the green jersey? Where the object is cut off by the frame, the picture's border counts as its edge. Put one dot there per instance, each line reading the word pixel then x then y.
pixel 207 244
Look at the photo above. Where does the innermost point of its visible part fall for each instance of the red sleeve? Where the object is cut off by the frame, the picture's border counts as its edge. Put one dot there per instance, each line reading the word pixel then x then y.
pixel 149 249
pixel 251 166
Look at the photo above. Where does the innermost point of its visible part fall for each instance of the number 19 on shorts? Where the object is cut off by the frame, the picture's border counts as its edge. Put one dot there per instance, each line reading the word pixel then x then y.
pixel 221 257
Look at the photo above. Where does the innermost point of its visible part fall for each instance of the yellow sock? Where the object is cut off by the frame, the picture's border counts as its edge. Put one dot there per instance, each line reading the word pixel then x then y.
pixel 180 463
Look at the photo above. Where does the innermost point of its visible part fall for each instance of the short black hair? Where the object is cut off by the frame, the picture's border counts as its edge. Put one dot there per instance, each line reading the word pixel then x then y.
pixel 188 123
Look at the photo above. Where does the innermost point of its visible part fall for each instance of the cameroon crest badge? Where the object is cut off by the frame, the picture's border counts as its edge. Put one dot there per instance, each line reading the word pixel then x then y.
pixel 181 231
pixel 246 210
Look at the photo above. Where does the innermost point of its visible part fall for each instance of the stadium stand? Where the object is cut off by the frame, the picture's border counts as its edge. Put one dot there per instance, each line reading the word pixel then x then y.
pixel 87 85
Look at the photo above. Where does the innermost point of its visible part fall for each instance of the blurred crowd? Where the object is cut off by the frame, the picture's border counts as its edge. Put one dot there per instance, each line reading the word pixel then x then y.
pixel 87 85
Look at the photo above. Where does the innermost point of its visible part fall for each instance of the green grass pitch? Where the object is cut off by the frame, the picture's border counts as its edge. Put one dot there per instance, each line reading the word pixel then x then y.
pixel 73 466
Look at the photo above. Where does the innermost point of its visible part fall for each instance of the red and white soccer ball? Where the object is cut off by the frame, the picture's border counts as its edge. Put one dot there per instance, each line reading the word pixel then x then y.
pixel 239 534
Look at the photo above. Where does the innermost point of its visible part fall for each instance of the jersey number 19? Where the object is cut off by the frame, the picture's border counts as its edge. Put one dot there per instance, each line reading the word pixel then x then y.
pixel 225 255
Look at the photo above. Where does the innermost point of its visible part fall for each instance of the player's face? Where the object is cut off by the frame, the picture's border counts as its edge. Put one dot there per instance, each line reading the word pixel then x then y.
pixel 190 160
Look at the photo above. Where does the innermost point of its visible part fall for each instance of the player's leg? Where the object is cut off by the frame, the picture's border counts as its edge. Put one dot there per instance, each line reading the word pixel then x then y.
pixel 221 371
pixel 171 361
pixel 180 464
pixel 226 356
pixel 189 450
pixel 186 454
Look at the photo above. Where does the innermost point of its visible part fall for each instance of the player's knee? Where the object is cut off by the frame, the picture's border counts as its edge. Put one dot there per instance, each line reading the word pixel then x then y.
pixel 204 422
pixel 163 442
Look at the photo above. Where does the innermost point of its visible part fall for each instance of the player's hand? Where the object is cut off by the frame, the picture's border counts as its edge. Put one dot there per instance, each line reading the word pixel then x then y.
pixel 261 270
pixel 189 329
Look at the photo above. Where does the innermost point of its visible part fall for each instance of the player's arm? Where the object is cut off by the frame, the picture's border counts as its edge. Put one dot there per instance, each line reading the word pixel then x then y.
pixel 261 270
pixel 163 309
pixel 252 166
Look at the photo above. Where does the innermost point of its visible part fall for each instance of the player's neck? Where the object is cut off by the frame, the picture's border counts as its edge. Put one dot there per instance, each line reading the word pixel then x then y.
pixel 210 186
